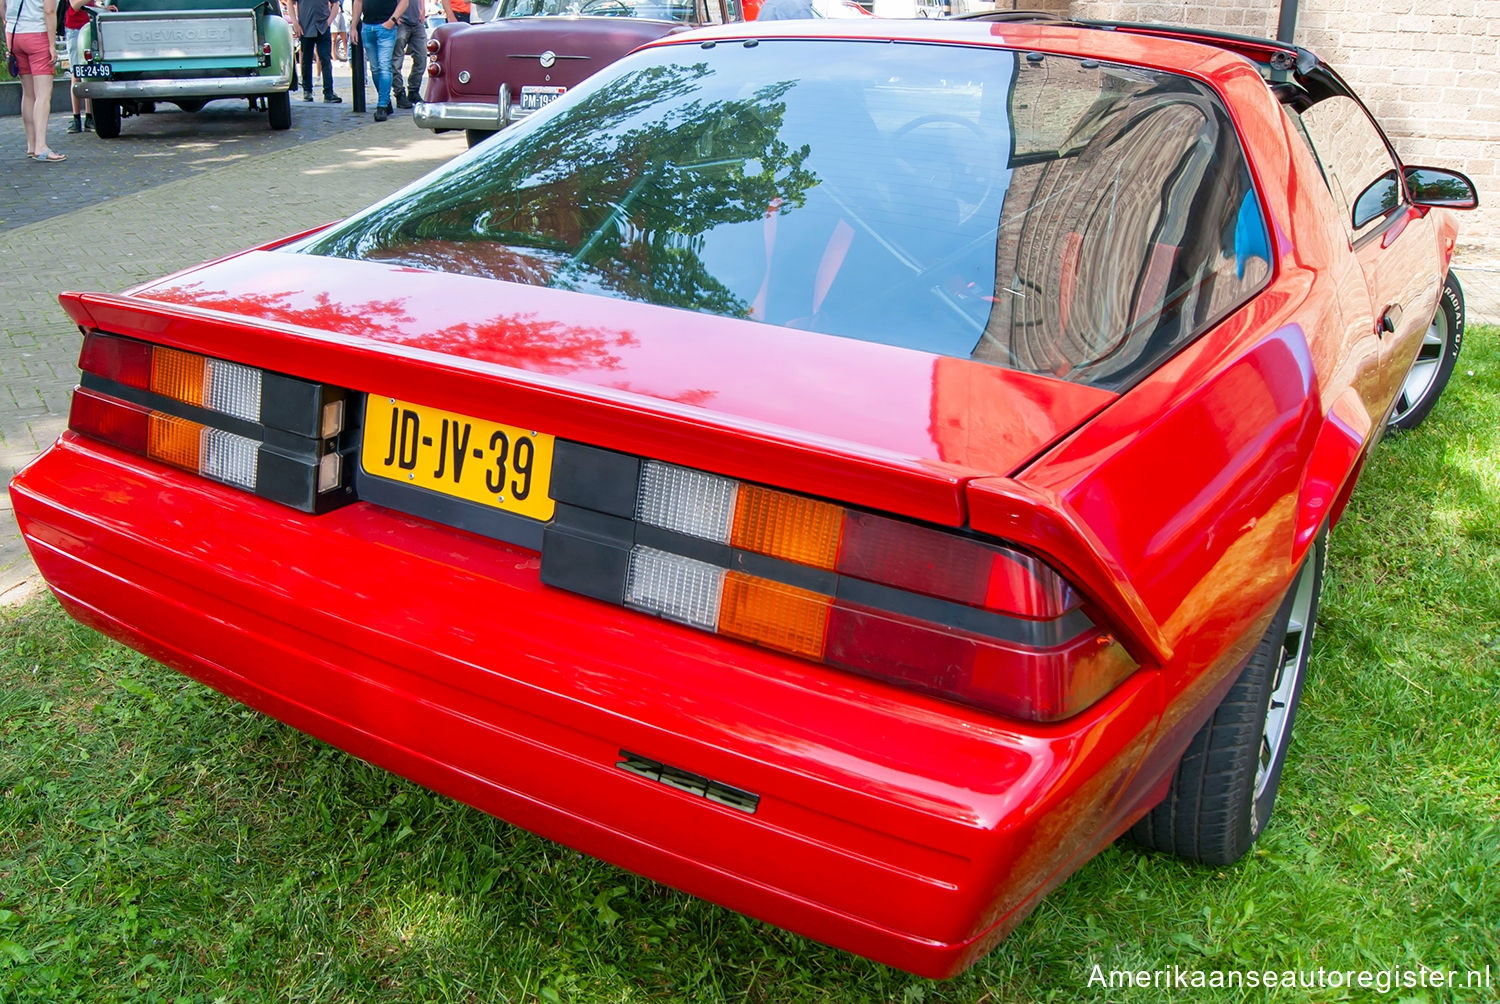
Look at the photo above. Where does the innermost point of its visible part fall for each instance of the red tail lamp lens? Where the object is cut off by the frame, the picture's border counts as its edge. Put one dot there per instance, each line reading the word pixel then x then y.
pixel 941 564
pixel 433 45
pixel 1043 685
pixel 124 425
pixel 123 360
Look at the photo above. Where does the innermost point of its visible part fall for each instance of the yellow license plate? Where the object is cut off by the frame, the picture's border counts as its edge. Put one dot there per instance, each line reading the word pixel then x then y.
pixel 468 458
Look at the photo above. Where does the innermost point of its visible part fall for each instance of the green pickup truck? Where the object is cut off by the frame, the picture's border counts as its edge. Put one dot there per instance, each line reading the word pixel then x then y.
pixel 187 52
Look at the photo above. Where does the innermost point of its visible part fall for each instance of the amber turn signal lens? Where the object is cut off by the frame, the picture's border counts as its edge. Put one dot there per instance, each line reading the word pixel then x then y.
pixel 791 527
pixel 178 375
pixel 773 614
pixel 174 440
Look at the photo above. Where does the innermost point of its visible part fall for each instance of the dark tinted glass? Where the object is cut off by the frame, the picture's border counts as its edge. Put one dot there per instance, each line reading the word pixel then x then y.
pixel 1045 214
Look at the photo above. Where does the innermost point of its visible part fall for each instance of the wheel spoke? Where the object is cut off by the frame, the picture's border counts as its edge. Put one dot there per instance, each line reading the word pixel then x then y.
pixel 1423 374
pixel 1289 669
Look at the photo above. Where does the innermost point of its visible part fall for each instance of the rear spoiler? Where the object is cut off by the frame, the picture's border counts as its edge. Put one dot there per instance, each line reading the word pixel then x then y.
pixel 1296 75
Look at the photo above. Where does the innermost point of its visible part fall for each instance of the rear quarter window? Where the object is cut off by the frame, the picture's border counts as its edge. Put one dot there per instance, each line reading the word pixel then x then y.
pixel 1060 216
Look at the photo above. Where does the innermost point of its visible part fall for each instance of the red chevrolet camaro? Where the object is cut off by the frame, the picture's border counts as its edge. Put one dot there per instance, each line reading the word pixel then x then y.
pixel 851 471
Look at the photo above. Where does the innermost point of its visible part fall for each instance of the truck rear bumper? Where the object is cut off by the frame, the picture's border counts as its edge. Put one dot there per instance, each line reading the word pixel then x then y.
pixel 206 88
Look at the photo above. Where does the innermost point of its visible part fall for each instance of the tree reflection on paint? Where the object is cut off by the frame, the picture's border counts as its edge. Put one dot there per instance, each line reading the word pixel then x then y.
pixel 508 339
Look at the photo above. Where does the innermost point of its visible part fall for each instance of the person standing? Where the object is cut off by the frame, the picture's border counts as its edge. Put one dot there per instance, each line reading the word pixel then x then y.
pixel 377 35
pixel 310 25
pixel 75 18
pixel 340 32
pixel 29 26
pixel 411 39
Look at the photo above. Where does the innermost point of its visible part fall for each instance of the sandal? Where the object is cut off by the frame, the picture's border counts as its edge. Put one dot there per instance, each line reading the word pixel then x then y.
pixel 46 156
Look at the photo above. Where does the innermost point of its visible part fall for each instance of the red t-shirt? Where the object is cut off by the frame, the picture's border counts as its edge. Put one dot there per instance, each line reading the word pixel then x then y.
pixel 75 17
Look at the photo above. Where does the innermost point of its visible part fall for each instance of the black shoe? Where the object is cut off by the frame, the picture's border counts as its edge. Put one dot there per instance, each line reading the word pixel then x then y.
pixel 75 126
pixel 382 113
pixel 307 95
pixel 88 123
pixel 401 101
pixel 332 99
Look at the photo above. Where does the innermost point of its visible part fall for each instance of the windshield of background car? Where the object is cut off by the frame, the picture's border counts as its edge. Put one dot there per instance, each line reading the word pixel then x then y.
pixel 686 11
pixel 1043 213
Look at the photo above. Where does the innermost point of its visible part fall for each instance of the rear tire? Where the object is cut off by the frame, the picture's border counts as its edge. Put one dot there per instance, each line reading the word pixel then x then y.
pixel 1225 787
pixel 477 136
pixel 279 110
pixel 106 118
pixel 1429 374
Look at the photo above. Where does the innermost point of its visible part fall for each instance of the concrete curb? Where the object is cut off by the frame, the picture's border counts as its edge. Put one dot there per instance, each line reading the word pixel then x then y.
pixel 10 96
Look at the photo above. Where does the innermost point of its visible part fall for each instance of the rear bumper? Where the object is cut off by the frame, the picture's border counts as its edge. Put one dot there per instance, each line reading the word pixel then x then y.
pixel 207 88
pixel 464 115
pixel 891 825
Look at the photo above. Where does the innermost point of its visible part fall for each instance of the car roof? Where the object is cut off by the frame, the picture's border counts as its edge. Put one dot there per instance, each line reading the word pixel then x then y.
pixel 1199 58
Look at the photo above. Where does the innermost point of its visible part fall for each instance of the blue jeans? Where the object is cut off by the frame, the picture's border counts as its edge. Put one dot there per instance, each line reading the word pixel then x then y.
pixel 379 43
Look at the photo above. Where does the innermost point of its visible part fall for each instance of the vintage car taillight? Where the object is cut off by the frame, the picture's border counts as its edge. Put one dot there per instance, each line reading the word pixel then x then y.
pixel 433 46
pixel 967 619
pixel 265 49
pixel 433 68
pixel 278 436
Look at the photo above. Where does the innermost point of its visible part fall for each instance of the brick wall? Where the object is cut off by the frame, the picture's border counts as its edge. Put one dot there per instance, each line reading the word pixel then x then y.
pixel 1428 69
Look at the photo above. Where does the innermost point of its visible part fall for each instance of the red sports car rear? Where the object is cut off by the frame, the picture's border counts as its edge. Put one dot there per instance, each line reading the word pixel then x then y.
pixel 836 475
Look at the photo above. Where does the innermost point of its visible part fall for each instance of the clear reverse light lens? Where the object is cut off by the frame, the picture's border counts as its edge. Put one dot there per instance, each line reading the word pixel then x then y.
pixel 686 501
pixel 229 458
pixel 232 389
pixel 678 588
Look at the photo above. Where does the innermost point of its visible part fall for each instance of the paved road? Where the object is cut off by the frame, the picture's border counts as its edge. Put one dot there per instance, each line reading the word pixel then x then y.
pixel 174 190
pixel 156 148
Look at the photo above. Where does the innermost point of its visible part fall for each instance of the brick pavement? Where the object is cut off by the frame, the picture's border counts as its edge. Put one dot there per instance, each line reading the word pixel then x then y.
pixel 230 196
pixel 152 149
pixel 119 241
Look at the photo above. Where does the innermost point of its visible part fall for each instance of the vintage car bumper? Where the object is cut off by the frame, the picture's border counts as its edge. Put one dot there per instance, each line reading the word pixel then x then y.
pixel 897 826
pixel 166 90
pixel 464 115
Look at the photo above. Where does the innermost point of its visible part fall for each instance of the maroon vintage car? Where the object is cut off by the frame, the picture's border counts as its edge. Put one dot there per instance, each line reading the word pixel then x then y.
pixel 480 77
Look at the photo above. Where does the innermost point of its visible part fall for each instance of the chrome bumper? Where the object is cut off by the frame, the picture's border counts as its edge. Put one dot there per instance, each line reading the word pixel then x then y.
pixel 468 114
pixel 457 115
pixel 207 88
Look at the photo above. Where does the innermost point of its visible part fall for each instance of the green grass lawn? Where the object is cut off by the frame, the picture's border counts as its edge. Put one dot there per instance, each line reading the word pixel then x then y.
pixel 160 842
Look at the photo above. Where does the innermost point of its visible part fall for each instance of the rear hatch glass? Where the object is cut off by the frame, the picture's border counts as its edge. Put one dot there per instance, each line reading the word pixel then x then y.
pixel 1058 216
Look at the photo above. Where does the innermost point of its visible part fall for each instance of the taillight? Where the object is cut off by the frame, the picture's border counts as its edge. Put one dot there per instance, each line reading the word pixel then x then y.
pixel 823 535
pixel 930 609
pixel 433 69
pixel 265 49
pixel 275 435
pixel 433 46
